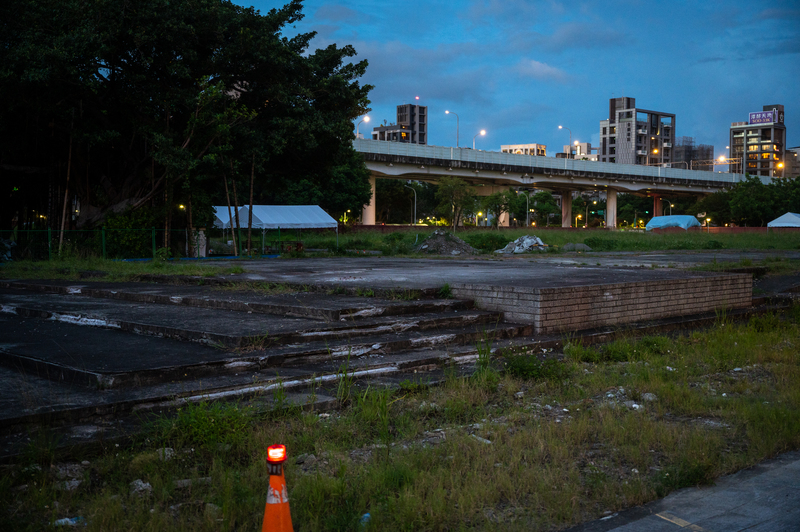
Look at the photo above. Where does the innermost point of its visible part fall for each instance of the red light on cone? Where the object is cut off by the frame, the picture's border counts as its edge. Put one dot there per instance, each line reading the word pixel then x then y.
pixel 276 454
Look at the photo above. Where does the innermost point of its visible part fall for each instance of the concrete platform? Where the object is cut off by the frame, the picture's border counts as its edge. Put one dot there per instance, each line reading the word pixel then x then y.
pixel 553 298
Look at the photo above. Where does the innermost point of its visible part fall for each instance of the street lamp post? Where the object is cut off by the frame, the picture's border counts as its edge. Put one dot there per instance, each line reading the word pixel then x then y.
pixel 413 221
pixel 570 136
pixel 452 113
pixel 527 211
pixel 482 133
pixel 671 205
pixel 586 218
pixel 365 119
pixel 576 220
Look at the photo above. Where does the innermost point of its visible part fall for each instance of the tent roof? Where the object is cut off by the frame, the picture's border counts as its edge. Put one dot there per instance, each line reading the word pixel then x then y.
pixel 222 219
pixel 683 221
pixel 287 217
pixel 790 219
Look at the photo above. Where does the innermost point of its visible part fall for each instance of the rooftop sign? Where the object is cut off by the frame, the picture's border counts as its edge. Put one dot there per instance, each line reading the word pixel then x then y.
pixel 763 117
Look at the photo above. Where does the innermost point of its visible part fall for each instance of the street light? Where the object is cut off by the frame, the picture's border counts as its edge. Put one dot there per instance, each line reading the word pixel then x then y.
pixel 708 225
pixel 415 202
pixel 671 205
pixel 587 211
pixel 479 218
pixel 527 210
pixel 576 220
pixel 482 133
pixel 365 119
pixel 452 113
pixel 570 134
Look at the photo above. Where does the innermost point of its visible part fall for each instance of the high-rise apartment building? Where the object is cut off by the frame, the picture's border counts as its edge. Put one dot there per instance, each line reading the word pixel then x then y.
pixel 636 136
pixel 695 156
pixel 411 126
pixel 760 143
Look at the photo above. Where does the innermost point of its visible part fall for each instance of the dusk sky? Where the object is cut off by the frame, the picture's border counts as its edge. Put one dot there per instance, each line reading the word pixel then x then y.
pixel 519 69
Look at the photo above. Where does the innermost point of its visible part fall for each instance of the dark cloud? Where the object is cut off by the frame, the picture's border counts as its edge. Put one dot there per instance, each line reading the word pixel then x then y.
pixel 779 14
pixel 340 13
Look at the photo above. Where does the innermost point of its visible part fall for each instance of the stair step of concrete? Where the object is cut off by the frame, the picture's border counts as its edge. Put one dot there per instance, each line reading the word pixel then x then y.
pixel 222 327
pixel 312 305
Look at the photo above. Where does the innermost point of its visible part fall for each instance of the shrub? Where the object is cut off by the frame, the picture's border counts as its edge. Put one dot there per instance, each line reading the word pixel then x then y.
pixel 529 367
pixel 487 241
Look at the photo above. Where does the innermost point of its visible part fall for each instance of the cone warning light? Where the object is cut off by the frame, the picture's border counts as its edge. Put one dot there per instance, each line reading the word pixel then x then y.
pixel 277 517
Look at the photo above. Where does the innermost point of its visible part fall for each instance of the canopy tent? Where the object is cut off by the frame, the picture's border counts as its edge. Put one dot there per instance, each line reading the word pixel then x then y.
pixel 287 217
pixel 222 219
pixel 790 219
pixel 683 221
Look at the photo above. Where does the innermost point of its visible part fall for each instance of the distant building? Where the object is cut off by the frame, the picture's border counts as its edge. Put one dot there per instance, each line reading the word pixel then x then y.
pixel 760 143
pixel 792 166
pixel 581 151
pixel 636 136
pixel 539 150
pixel 411 126
pixel 686 151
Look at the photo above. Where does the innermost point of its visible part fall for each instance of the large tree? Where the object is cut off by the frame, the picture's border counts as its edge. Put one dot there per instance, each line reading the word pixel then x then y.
pixel 108 105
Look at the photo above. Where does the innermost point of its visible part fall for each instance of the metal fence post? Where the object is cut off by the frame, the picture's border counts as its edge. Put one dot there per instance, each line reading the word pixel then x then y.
pixel 153 231
pixel 49 245
pixel 103 238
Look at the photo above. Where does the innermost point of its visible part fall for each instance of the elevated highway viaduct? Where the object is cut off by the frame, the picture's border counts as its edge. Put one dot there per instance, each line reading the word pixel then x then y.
pixel 492 171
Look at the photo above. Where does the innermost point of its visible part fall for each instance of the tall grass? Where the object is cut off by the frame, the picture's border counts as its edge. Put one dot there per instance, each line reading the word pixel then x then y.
pixel 537 448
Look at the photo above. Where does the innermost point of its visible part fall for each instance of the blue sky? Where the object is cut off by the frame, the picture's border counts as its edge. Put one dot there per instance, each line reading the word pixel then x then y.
pixel 519 69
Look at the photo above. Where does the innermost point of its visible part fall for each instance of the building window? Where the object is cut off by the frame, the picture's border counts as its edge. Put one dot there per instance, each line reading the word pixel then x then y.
pixel 604 131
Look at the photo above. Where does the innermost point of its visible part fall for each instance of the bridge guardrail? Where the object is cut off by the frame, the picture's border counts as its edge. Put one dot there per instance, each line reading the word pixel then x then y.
pixel 510 159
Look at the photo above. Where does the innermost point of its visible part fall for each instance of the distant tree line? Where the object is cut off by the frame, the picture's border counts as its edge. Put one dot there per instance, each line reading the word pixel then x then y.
pixel 134 108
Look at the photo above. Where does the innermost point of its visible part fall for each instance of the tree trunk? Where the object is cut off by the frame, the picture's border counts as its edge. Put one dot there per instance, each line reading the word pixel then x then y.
pixel 190 234
pixel 235 204
pixel 250 216
pixel 230 215
pixel 66 196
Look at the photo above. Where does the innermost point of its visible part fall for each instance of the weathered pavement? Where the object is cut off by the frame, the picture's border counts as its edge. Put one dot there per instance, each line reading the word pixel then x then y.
pixel 763 498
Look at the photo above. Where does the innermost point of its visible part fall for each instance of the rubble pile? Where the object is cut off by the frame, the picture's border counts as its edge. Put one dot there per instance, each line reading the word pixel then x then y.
pixel 444 243
pixel 524 244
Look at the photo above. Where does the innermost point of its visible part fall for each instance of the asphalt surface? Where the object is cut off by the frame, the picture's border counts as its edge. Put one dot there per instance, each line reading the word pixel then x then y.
pixel 763 498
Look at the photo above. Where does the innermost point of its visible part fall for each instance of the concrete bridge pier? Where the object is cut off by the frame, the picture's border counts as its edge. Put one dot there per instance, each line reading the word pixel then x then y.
pixel 657 206
pixel 566 208
pixel 368 212
pixel 611 209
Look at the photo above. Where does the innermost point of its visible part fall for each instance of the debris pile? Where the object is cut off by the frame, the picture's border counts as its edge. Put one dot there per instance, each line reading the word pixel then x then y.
pixel 524 244
pixel 444 243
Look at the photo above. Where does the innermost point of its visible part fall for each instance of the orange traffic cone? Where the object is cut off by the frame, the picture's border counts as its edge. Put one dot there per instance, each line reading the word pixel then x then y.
pixel 276 514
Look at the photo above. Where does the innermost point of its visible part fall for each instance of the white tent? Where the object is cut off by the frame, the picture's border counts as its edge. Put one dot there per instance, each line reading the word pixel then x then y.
pixel 222 219
pixel 287 217
pixel 789 219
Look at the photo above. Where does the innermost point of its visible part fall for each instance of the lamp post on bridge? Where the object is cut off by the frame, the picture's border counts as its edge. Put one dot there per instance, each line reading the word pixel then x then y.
pixel 570 137
pixel 481 133
pixel 452 113
pixel 365 119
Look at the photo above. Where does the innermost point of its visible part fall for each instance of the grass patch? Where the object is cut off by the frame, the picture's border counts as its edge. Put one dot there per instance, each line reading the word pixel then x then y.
pixel 470 454
pixel 110 270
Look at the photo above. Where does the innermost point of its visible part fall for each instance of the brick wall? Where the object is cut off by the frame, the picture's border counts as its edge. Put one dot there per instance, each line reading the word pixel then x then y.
pixel 583 307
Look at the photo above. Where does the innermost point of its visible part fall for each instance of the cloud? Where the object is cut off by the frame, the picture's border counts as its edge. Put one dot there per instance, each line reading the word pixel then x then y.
pixel 541 71
pixel 339 13
pixel 779 14
pixel 575 35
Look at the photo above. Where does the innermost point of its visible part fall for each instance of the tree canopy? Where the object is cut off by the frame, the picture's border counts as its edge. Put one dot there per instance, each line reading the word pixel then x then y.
pixel 118 105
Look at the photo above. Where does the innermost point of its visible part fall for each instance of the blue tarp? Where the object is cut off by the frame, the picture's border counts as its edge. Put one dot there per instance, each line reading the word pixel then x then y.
pixel 684 221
